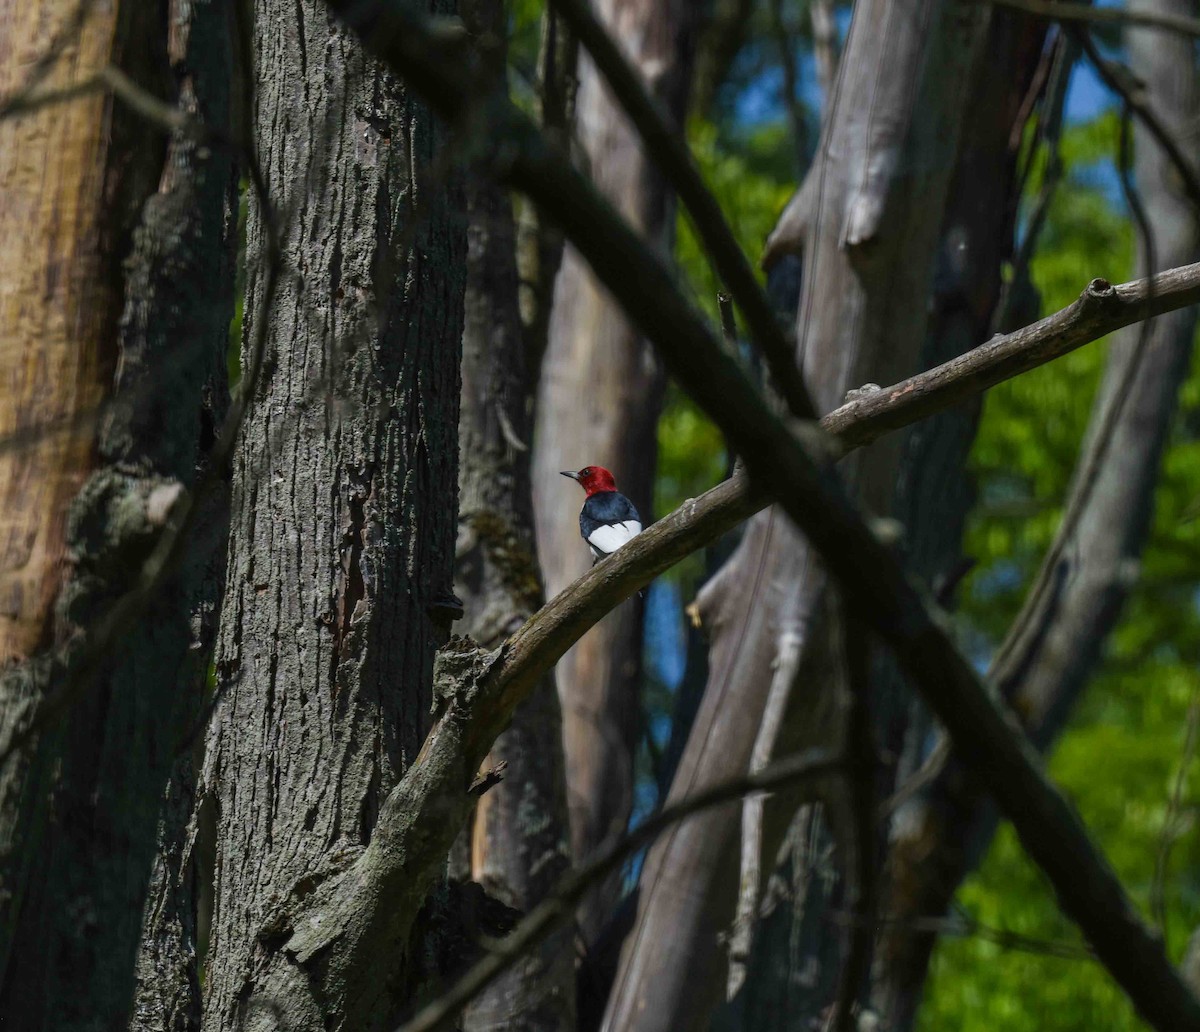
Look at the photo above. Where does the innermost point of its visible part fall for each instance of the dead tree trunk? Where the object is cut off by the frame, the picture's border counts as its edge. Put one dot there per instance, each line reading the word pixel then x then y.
pixel 798 951
pixel 601 393
pixel 879 188
pixel 116 249
pixel 343 522
pixel 940 835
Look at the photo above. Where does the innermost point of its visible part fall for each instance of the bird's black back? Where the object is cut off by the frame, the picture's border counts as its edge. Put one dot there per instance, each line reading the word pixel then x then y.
pixel 605 508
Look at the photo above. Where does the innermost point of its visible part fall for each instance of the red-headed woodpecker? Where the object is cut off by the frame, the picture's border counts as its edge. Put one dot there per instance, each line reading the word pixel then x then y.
pixel 608 519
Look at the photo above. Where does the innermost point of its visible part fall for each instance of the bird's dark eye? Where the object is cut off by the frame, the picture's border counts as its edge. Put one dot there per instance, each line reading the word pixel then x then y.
pixel 586 472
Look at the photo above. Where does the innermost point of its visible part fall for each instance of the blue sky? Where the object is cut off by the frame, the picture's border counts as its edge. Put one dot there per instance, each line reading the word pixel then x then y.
pixel 762 100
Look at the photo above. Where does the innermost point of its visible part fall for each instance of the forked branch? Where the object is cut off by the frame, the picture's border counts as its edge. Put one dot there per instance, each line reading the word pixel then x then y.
pixel 872 580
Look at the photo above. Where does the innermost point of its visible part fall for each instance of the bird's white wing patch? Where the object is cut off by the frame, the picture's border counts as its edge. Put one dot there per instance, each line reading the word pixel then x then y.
pixel 609 537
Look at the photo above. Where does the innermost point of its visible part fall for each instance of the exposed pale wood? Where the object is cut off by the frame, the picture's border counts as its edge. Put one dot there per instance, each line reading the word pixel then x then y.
pixel 144 236
pixel 58 303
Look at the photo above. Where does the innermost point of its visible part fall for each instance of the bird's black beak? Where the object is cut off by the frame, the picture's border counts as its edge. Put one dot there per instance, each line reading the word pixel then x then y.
pixel 568 473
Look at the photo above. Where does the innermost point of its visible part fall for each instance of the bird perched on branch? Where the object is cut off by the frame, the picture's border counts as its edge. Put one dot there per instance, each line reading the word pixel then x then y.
pixel 608 519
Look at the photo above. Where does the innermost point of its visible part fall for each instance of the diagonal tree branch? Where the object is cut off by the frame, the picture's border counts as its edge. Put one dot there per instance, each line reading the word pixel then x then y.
pixel 874 583
pixel 669 151
pixel 1123 84
pixel 559 907
pixel 1059 10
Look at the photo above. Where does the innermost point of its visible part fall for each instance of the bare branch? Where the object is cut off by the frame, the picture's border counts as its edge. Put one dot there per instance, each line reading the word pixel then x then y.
pixel 1118 79
pixel 875 585
pixel 559 907
pixel 1100 309
pixel 671 154
pixel 1085 13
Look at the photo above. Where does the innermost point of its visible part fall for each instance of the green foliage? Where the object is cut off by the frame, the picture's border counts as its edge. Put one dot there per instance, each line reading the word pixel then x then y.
pixel 752 181
pixel 1121 756
pixel 752 184
pixel 524 39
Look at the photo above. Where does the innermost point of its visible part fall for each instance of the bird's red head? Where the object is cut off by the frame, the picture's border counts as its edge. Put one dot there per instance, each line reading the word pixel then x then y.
pixel 593 479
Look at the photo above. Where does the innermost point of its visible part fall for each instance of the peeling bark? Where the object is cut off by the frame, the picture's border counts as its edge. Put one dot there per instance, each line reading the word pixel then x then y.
pixel 342 543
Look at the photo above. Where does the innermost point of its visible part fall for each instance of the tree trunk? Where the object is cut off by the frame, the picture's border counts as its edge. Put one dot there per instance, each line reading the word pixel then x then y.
pixel 115 221
pixel 880 187
pixel 519 840
pixel 785 989
pixel 61 300
pixel 601 393
pixel 342 540
pixel 940 835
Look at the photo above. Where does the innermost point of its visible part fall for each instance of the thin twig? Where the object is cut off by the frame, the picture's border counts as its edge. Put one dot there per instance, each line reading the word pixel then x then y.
pixel 1101 309
pixel 670 153
pixel 1050 140
pixel 967 926
pixel 560 906
pixel 1125 86
pixel 1158 894
pixel 1078 13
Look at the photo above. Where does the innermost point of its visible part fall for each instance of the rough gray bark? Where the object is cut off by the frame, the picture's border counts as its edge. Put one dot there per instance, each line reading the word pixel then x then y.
pixel 519 841
pixel 874 581
pixel 519 844
pixel 881 185
pixel 600 395
pixel 77 862
pixel 799 951
pixel 342 541
pixel 940 835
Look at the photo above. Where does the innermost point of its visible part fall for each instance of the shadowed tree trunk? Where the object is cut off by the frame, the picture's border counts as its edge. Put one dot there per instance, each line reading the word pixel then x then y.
pixel 879 189
pixel 939 836
pixel 519 842
pixel 116 249
pixel 202 49
pixel 343 522
pixel 599 401
pixel 798 951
